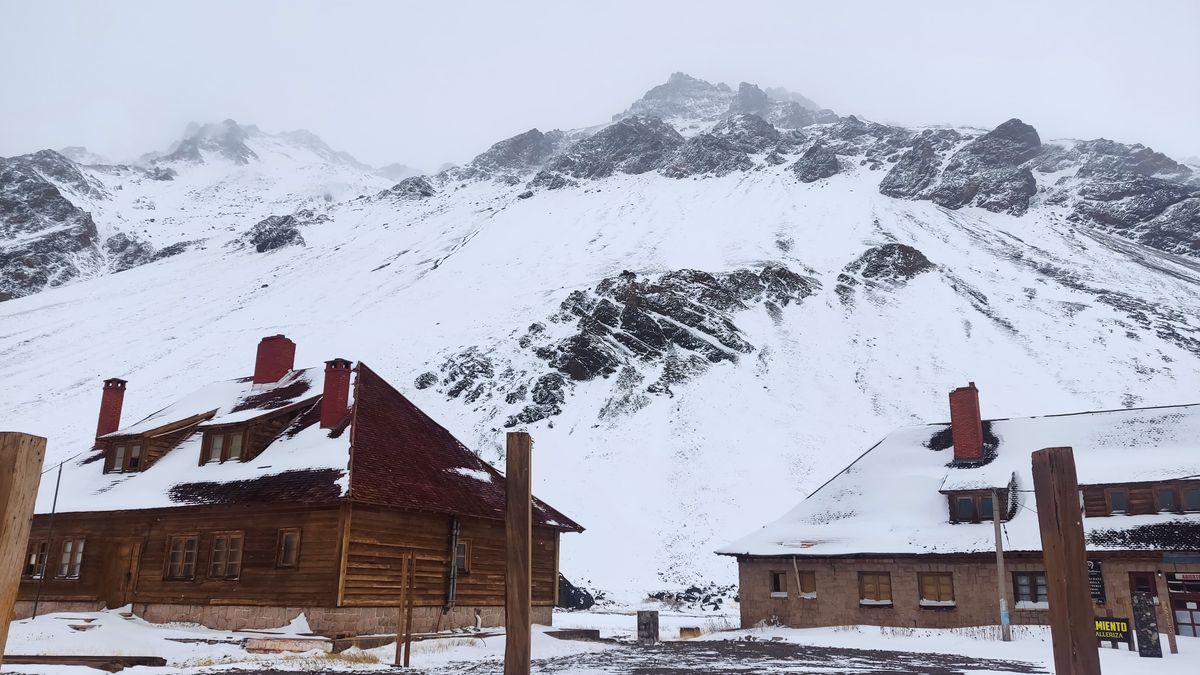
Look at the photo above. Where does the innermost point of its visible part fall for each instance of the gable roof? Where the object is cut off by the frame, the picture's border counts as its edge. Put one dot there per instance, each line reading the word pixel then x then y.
pixel 890 501
pixel 387 452
pixel 404 459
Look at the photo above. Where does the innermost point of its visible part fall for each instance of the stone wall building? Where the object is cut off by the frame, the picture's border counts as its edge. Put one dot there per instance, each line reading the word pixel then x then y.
pixel 904 535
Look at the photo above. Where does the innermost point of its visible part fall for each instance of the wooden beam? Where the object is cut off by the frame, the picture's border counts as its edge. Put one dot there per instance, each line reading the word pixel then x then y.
pixel 1060 517
pixel 411 583
pixel 400 613
pixel 21 458
pixel 518 533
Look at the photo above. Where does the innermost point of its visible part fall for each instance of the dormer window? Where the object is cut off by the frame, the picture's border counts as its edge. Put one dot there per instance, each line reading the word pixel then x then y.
pixel 222 445
pixel 1118 502
pixel 126 457
pixel 972 507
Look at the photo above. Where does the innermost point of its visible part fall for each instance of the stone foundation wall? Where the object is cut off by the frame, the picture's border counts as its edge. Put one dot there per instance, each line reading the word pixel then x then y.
pixel 330 621
pixel 23 609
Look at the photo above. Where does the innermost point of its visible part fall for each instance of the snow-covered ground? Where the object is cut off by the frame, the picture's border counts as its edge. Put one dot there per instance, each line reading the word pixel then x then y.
pixel 194 649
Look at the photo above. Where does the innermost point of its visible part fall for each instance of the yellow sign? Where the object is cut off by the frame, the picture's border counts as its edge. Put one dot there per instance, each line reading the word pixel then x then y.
pixel 1112 629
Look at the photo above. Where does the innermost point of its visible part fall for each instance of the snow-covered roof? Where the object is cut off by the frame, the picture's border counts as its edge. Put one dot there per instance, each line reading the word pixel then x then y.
pixel 303 463
pixel 232 401
pixel 890 499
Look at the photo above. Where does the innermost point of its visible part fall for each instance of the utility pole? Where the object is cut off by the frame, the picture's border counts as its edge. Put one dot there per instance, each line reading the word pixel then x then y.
pixel 1001 577
pixel 1072 617
pixel 518 533
pixel 21 458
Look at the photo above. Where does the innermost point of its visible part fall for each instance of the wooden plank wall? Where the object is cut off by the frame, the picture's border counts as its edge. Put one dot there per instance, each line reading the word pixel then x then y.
pixel 378 537
pixel 313 581
pixel 1141 500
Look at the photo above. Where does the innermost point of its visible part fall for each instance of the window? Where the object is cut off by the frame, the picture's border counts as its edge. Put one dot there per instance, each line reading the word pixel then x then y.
pixel 1191 499
pixel 1164 500
pixel 226 559
pixel 72 559
pixel 181 557
pixel 966 508
pixel 808 585
pixel 875 589
pixel 215 444
pixel 35 562
pixel 971 507
pixel 1030 590
pixel 778 584
pixel 288 554
pixel 462 557
pixel 937 589
pixel 118 464
pixel 235 445
pixel 135 457
pixel 1118 501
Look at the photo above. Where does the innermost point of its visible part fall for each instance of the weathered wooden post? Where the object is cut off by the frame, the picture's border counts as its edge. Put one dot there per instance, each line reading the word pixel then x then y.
pixel 401 615
pixel 518 532
pixel 411 583
pixel 21 458
pixel 1072 620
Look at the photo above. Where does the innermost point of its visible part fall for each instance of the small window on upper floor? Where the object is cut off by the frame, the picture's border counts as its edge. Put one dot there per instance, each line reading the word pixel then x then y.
pixel 971 507
pixel 126 457
pixel 222 445
pixel 71 561
pixel 1165 500
pixel 287 553
pixel 1191 499
pixel 1118 501
pixel 778 584
pixel 462 558
pixel 35 560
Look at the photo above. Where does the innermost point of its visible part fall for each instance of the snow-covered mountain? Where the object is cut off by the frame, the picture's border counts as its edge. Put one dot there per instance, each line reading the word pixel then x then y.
pixel 699 310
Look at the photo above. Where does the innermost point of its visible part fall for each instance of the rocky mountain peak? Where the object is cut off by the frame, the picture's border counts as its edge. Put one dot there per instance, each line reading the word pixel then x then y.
pixel 750 99
pixel 683 96
pixel 519 154
pixel 226 139
pixel 1017 132
pixel 633 145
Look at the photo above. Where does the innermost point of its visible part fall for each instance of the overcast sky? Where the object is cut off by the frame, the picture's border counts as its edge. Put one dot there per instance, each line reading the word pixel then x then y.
pixel 424 83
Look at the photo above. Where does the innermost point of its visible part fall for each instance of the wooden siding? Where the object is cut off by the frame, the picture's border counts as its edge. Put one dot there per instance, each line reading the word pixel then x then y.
pixel 378 537
pixel 112 539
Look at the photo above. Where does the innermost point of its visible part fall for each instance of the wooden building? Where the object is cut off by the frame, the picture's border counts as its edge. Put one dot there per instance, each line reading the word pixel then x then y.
pixel 904 535
pixel 247 502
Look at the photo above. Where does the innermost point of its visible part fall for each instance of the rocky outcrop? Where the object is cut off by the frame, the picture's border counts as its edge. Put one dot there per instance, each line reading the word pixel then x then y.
pixel 817 162
pixel 750 100
pixel 411 188
pixel 45 239
pixel 631 145
pixel 990 172
pixel 913 174
pixel 276 232
pixel 517 156
pixel 885 267
pixel 748 133
pixel 706 154
pixel 126 251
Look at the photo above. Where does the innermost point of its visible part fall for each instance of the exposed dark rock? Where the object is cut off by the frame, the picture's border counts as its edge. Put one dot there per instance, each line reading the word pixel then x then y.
pixel 126 251
pixel 890 262
pixel 520 154
pixel 572 597
pixel 988 172
pixel 706 154
pixel 468 374
pixel 682 96
pixel 548 395
pixel 173 249
pixel 413 187
pixel 425 380
pixel 631 145
pixel 54 239
pixel 748 133
pixel 273 232
pixel 750 100
pixel 816 163
pixel 708 597
pixel 913 174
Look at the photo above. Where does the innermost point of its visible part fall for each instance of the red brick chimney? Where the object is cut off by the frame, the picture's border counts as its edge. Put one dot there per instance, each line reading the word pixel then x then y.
pixel 966 427
pixel 276 356
pixel 337 392
pixel 110 406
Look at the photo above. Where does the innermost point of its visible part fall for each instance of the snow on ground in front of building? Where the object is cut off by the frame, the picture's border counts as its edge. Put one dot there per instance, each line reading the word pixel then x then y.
pixel 189 648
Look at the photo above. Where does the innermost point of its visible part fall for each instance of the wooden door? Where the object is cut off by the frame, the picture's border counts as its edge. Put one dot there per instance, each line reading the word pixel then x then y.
pixel 120 574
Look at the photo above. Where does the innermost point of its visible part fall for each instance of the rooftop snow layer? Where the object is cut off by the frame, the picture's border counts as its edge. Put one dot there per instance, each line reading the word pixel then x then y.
pixel 888 500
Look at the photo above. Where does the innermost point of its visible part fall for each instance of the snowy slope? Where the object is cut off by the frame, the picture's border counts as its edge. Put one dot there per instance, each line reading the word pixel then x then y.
pixel 440 280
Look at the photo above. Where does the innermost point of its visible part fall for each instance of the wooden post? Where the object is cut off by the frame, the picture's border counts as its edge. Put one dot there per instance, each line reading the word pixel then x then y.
pixel 1072 619
pixel 1001 578
pixel 518 533
pixel 21 458
pixel 411 582
pixel 400 611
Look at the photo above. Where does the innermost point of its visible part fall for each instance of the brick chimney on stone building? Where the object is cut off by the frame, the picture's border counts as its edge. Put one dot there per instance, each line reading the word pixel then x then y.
pixel 276 356
pixel 110 406
pixel 336 397
pixel 966 426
